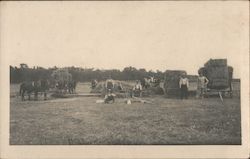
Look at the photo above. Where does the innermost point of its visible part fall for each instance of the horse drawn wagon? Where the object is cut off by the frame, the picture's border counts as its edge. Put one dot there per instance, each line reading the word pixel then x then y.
pixel 171 82
pixel 63 83
pixel 220 77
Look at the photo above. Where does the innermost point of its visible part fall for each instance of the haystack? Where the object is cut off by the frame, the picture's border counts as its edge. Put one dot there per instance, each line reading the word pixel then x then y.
pixel 171 82
pixel 155 91
pixel 100 88
pixel 216 62
pixel 192 78
pixel 218 73
pixel 61 75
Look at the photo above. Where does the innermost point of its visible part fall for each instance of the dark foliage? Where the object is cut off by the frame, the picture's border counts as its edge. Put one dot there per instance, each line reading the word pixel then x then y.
pixel 24 73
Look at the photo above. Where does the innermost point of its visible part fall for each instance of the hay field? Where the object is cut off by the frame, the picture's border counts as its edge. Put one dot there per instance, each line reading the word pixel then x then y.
pixel 82 121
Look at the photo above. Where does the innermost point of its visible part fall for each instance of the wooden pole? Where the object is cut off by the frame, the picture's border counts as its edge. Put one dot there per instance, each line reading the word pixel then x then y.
pixel 220 96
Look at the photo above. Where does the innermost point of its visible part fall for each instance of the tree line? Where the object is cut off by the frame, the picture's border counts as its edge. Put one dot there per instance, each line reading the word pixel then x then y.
pixel 25 73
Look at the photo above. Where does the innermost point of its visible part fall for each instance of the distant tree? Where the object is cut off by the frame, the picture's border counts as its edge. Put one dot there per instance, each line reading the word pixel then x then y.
pixel 23 66
pixel 25 73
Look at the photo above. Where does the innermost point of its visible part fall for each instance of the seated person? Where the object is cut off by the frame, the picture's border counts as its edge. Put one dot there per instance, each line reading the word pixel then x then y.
pixel 109 97
pixel 137 90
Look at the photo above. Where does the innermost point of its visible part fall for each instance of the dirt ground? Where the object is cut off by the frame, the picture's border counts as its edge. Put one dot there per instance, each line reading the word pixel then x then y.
pixel 80 120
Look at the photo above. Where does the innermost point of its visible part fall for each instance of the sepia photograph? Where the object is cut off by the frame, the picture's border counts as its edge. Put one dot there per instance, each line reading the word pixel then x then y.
pixel 130 73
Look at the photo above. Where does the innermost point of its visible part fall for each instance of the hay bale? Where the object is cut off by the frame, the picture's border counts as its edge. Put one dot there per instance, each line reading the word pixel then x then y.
pixel 61 75
pixel 216 62
pixel 100 88
pixel 192 78
pixel 156 91
pixel 171 82
pixel 218 73
pixel 218 77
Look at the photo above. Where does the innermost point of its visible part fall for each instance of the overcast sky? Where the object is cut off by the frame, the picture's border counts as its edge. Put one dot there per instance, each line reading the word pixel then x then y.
pixel 152 35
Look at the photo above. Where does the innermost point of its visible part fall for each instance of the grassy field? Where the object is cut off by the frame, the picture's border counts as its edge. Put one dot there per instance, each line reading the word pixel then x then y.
pixel 82 121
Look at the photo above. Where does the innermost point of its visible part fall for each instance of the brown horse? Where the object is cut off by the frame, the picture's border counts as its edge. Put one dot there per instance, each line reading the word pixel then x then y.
pixel 34 87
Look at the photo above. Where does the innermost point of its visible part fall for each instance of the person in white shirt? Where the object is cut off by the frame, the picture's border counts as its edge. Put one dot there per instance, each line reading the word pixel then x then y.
pixel 201 86
pixel 137 89
pixel 183 84
pixel 109 84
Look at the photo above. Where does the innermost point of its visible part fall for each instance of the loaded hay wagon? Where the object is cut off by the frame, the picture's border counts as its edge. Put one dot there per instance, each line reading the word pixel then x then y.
pixel 171 82
pixel 220 77
pixel 60 80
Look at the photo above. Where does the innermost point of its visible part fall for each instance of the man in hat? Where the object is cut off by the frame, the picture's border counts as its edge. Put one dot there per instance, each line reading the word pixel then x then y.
pixel 184 84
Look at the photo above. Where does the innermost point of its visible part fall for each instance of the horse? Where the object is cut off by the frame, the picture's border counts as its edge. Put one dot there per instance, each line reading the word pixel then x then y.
pixel 34 87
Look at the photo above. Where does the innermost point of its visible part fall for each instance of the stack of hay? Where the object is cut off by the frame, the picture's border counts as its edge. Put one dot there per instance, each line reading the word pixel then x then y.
pixel 153 91
pixel 100 88
pixel 218 73
pixel 61 75
pixel 192 89
pixel 171 82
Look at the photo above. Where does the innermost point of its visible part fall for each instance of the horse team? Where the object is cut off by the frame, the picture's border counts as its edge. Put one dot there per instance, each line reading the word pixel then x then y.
pixel 44 86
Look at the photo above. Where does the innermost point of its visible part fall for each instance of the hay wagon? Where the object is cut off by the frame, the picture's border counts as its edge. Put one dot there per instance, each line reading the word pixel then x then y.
pixel 59 80
pixel 220 77
pixel 171 82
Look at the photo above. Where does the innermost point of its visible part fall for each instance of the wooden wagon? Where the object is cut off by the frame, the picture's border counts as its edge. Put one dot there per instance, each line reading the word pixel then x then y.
pixel 220 77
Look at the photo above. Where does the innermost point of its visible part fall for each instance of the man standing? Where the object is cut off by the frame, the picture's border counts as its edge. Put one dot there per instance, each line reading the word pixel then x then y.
pixel 184 84
pixel 93 83
pixel 137 90
pixel 201 86
pixel 109 85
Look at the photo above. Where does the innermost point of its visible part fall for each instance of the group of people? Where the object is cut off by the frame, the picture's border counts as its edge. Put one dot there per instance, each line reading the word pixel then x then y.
pixel 149 82
pixel 109 87
pixel 201 86
pixel 139 86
